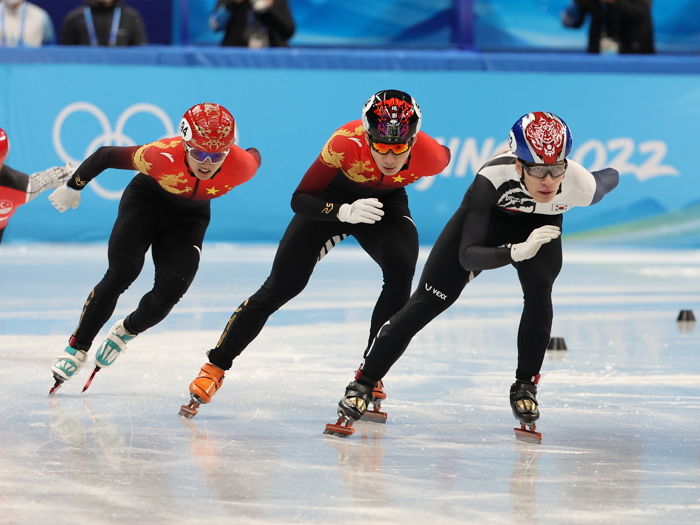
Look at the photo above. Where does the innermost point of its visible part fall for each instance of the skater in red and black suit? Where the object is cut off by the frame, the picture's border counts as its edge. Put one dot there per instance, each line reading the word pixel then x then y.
pixel 18 188
pixel 511 214
pixel 165 207
pixel 355 187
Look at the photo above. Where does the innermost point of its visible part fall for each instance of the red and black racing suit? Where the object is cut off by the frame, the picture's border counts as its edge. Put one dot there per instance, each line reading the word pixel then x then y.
pixel 13 194
pixel 496 211
pixel 343 172
pixel 164 207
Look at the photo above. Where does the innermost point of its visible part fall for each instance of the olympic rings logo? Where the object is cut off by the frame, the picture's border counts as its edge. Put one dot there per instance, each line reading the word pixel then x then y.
pixel 108 137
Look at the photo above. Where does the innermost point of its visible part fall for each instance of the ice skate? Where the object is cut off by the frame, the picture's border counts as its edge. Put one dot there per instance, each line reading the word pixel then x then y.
pixel 523 402
pixel 112 347
pixel 350 409
pixel 202 389
pixel 375 414
pixel 66 366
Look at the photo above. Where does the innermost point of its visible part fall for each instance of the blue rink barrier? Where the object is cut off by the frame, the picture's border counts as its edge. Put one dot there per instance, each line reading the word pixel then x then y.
pixel 636 114
pixel 354 59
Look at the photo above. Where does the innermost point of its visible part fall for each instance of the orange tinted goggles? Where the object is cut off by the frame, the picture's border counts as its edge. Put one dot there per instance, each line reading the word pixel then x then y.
pixel 396 149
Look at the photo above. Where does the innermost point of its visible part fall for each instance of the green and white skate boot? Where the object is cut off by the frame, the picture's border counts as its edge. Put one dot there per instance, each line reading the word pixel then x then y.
pixel 112 347
pixel 67 365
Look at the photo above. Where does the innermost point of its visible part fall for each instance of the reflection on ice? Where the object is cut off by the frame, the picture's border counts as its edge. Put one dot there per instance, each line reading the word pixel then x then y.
pixel 619 407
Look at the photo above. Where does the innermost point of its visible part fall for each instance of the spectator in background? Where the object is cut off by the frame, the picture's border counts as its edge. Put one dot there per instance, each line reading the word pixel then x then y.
pixel 617 26
pixel 253 23
pixel 103 23
pixel 24 24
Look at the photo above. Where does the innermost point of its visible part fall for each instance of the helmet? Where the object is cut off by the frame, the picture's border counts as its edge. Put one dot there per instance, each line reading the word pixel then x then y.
pixel 540 138
pixel 4 145
pixel 209 128
pixel 391 117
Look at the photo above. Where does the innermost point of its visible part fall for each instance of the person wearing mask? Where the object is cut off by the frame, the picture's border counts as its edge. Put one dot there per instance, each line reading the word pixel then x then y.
pixel 103 23
pixel 253 23
pixel 616 26
pixel 23 24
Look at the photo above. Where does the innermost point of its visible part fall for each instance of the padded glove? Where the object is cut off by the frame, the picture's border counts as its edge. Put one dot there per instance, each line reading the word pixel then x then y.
pixel 367 211
pixel 538 237
pixel 64 197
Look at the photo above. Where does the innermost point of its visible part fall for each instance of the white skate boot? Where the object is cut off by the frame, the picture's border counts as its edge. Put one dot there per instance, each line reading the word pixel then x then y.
pixel 112 347
pixel 67 365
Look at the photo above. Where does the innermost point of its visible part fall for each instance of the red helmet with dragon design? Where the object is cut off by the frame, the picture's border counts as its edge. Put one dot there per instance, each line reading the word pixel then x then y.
pixel 208 130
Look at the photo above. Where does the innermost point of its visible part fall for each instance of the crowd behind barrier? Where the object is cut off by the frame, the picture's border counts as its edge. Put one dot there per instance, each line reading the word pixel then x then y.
pixel 483 25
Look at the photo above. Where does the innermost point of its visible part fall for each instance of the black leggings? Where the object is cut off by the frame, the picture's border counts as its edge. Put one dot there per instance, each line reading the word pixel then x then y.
pixel 173 232
pixel 443 280
pixel 392 243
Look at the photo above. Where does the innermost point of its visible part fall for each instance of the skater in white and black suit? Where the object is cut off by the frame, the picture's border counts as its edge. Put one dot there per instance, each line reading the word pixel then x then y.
pixel 511 214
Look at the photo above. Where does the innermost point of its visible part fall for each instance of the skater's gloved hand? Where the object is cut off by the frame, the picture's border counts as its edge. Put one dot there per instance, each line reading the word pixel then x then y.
pixel 538 237
pixel 64 197
pixel 362 210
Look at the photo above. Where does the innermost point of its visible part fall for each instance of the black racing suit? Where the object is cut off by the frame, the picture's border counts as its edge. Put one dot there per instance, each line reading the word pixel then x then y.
pixel 174 229
pixel 343 173
pixel 166 208
pixel 495 212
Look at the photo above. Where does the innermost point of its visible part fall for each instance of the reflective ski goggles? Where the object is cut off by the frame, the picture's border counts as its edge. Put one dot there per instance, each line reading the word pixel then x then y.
pixel 540 171
pixel 396 149
pixel 201 156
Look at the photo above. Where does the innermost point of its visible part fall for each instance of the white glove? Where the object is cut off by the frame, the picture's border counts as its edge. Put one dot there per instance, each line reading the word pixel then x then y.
pixel 64 197
pixel 48 179
pixel 362 210
pixel 538 237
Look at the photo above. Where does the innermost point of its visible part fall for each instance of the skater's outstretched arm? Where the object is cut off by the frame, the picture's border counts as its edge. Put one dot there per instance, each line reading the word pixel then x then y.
pixel 606 181
pixel 116 157
pixel 68 195
pixel 48 179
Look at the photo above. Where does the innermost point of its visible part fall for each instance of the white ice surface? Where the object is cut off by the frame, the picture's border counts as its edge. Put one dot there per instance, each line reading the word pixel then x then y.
pixel 620 408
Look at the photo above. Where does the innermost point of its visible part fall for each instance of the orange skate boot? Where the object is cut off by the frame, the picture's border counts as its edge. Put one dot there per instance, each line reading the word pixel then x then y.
pixel 378 395
pixel 202 389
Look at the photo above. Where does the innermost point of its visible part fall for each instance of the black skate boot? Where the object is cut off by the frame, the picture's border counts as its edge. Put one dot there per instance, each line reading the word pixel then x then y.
pixel 375 414
pixel 523 402
pixel 354 404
